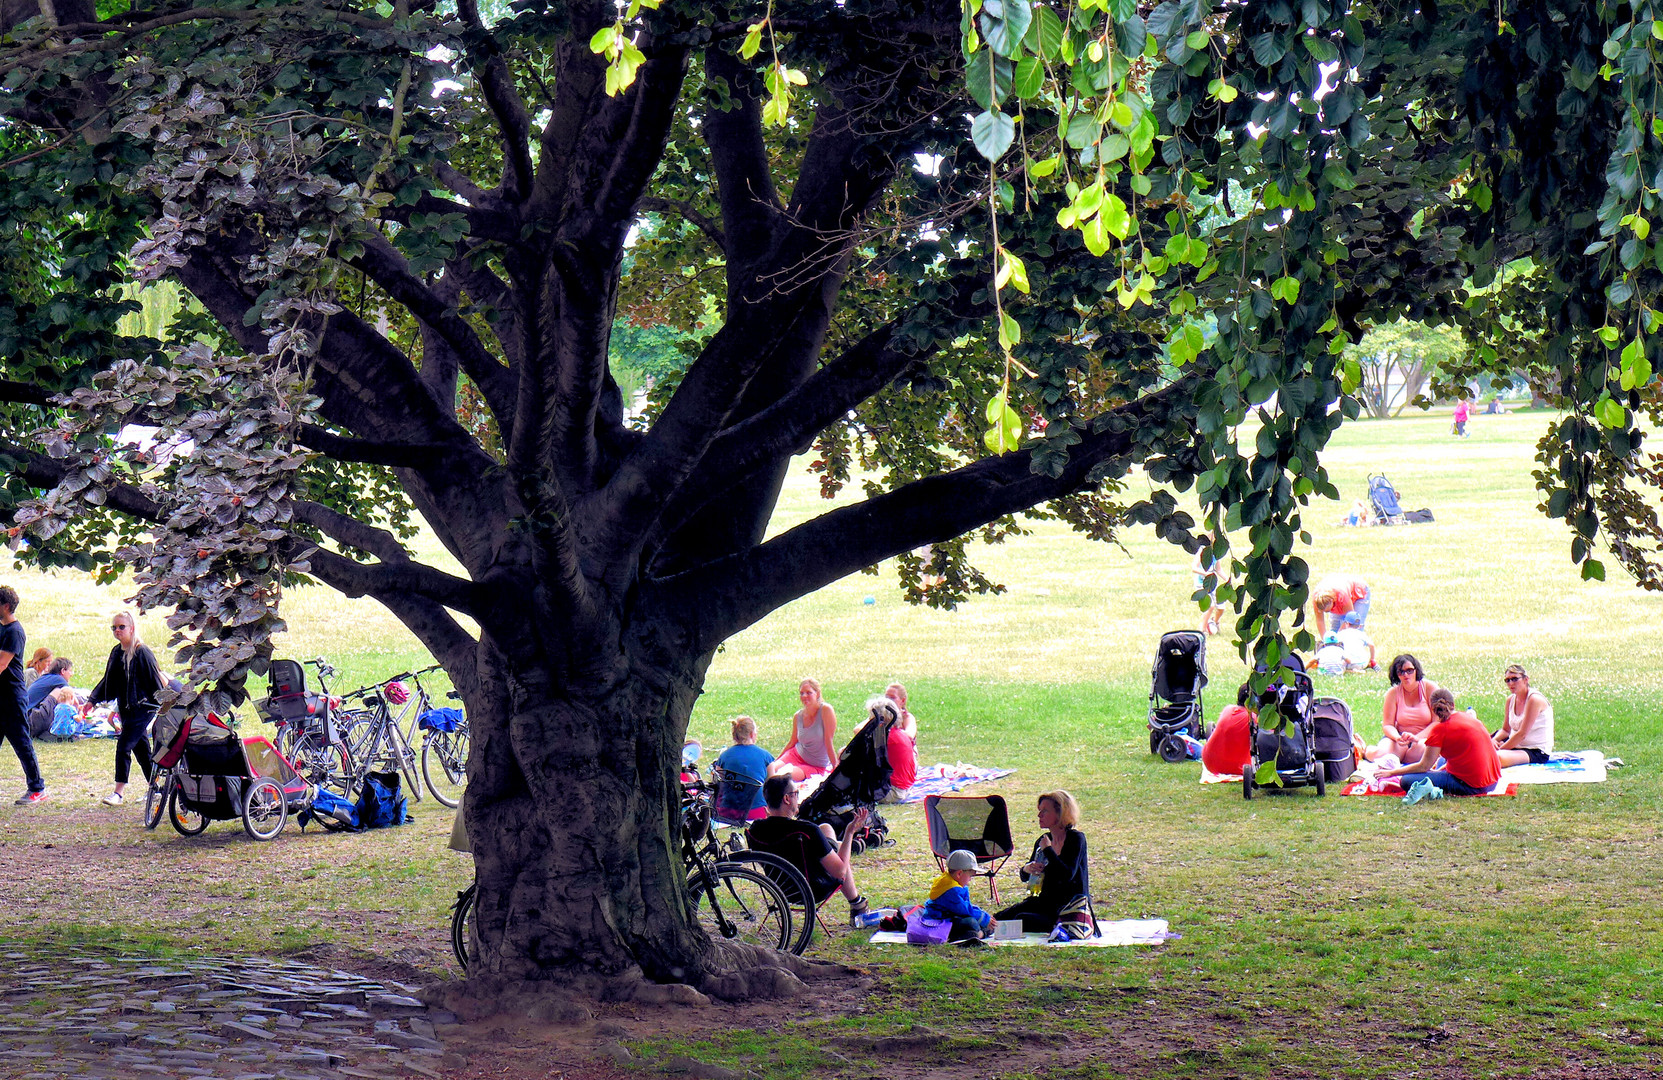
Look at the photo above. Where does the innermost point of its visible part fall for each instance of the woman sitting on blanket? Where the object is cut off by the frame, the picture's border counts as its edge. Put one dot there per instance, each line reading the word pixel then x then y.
pixel 1058 862
pixel 1407 713
pixel 1470 763
pixel 1526 736
pixel 1227 752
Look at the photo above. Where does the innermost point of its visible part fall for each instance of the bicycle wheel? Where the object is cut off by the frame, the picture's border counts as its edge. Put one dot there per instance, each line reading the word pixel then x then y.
pixel 155 798
pixel 403 759
pixel 323 764
pixel 740 904
pixel 265 809
pixel 354 728
pixel 793 886
pixel 445 764
pixel 461 924
pixel 185 820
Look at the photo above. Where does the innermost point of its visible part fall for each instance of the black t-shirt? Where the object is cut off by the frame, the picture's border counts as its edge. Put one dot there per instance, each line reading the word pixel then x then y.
pixel 12 640
pixel 798 843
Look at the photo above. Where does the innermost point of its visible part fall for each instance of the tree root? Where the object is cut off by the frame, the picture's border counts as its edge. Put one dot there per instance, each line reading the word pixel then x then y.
pixel 735 972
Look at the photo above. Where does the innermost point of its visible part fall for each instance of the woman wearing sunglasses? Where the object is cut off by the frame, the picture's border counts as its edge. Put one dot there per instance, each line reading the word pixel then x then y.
pixel 131 680
pixel 1527 734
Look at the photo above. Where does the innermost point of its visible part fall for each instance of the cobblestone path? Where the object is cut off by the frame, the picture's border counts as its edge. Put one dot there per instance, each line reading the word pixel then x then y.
pixel 77 1012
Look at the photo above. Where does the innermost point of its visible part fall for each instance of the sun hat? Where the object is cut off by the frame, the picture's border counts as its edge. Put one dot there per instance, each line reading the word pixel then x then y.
pixel 960 859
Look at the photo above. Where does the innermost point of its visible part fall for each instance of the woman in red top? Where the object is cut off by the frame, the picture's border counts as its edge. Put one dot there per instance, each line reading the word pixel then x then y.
pixel 1339 600
pixel 1227 750
pixel 1470 763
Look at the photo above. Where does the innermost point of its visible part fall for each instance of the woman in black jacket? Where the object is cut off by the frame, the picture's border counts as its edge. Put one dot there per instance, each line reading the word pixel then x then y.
pixel 1059 862
pixel 131 680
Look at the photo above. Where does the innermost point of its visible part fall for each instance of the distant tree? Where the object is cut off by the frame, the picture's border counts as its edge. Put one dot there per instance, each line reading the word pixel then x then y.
pixel 1398 360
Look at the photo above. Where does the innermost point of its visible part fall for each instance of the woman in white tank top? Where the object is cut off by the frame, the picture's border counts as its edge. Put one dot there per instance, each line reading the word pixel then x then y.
pixel 1527 733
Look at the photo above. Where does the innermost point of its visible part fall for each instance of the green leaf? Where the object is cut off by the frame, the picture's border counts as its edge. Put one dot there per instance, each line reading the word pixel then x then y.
pixel 1593 569
pixel 1115 217
pixel 1042 169
pixel 1004 34
pixel 1029 78
pixel 1266 775
pixel 992 132
pixel 1010 332
pixel 752 43
pixel 988 78
pixel 1045 33
pixel 1339 177
pixel 1097 242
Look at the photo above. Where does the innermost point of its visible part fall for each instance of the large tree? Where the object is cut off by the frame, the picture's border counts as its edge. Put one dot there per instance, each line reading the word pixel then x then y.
pixel 996 253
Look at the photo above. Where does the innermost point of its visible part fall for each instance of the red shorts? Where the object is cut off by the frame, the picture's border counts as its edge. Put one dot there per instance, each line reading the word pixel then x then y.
pixel 791 757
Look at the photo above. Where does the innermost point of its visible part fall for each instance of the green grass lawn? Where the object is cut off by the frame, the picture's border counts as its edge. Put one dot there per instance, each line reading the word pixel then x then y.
pixel 1320 937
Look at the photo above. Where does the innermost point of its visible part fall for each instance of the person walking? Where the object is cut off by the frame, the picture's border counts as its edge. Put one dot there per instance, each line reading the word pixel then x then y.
pixel 131 679
pixel 1463 413
pixel 13 726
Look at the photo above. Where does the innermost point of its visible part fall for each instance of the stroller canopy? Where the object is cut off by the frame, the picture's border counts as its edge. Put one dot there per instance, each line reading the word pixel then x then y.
pixel 861 777
pixel 1180 666
pixel 1384 497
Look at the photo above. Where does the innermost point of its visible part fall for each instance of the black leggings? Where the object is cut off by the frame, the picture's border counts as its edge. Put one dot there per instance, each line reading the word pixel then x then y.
pixel 15 730
pixel 134 741
pixel 1038 916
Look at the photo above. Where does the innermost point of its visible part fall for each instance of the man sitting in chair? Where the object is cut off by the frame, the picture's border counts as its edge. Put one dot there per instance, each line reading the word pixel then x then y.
pixel 814 850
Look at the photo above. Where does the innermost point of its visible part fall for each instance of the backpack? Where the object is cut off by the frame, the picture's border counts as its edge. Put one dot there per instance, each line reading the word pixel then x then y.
pixel 382 803
pixel 40 717
pixel 327 804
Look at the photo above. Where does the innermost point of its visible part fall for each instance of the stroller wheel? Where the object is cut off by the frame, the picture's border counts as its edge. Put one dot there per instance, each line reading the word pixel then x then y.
pixel 265 809
pixel 856 846
pixel 1247 785
pixel 1154 741
pixel 1321 779
pixel 1172 749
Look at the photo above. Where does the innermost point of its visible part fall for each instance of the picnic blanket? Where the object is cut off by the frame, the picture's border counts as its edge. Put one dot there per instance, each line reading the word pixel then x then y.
pixel 1581 767
pixel 946 779
pixel 1122 932
pixel 1393 786
pixel 1209 777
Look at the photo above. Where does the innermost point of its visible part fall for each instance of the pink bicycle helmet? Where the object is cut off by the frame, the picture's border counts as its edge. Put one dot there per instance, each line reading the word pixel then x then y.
pixel 396 693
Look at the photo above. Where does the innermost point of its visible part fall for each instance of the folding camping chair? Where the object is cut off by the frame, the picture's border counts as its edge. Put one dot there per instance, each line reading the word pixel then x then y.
pixel 731 801
pixel 977 824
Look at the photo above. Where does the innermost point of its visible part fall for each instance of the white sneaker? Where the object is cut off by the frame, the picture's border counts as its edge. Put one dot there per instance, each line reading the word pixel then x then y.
pixel 113 799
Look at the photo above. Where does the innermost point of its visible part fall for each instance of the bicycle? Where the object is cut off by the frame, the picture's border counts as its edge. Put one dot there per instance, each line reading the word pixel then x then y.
pixel 308 733
pixel 445 738
pixel 383 745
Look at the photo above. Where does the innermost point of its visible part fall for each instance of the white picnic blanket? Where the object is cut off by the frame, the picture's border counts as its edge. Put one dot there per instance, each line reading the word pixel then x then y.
pixel 1563 767
pixel 1122 932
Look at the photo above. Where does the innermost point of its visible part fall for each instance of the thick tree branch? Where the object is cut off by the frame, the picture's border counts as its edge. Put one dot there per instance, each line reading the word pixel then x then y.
pixel 367 452
pixel 386 266
pixel 744 184
pixel 23 393
pixel 496 80
pixel 43 472
pixel 382 579
pixel 348 530
pixel 731 594
pixel 426 617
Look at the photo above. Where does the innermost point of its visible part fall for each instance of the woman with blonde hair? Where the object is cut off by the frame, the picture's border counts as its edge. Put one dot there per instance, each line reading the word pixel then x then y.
pixel 1526 735
pixel 812 748
pixel 1058 861
pixel 131 680
pixel 744 765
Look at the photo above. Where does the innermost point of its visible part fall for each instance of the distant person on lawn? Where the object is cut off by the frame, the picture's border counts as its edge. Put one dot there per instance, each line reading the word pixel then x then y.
pixel 1471 766
pixel 1338 601
pixel 903 745
pixel 57 674
pixel 131 680
pixel 812 749
pixel 1526 735
pixel 14 728
pixel 37 665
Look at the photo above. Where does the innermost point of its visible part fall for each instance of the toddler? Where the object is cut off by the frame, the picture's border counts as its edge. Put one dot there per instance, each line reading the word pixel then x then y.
pixel 950 900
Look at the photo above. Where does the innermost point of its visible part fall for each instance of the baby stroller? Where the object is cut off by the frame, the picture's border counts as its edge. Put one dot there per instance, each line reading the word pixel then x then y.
pixel 861 778
pixel 204 772
pixel 1331 721
pixel 1175 693
pixel 1383 497
pixel 1285 734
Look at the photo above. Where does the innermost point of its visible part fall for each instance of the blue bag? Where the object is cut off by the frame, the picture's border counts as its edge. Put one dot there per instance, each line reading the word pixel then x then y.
pixel 327 804
pixel 440 720
pixel 382 803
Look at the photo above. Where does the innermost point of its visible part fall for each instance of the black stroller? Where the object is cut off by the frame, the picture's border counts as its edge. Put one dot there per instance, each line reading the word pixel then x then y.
pixel 1285 734
pixel 861 778
pixel 1331 721
pixel 1175 693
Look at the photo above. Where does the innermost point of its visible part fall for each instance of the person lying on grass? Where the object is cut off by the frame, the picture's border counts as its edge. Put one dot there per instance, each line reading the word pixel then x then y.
pixel 950 900
pixel 1526 735
pixel 1470 763
pixel 1058 863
